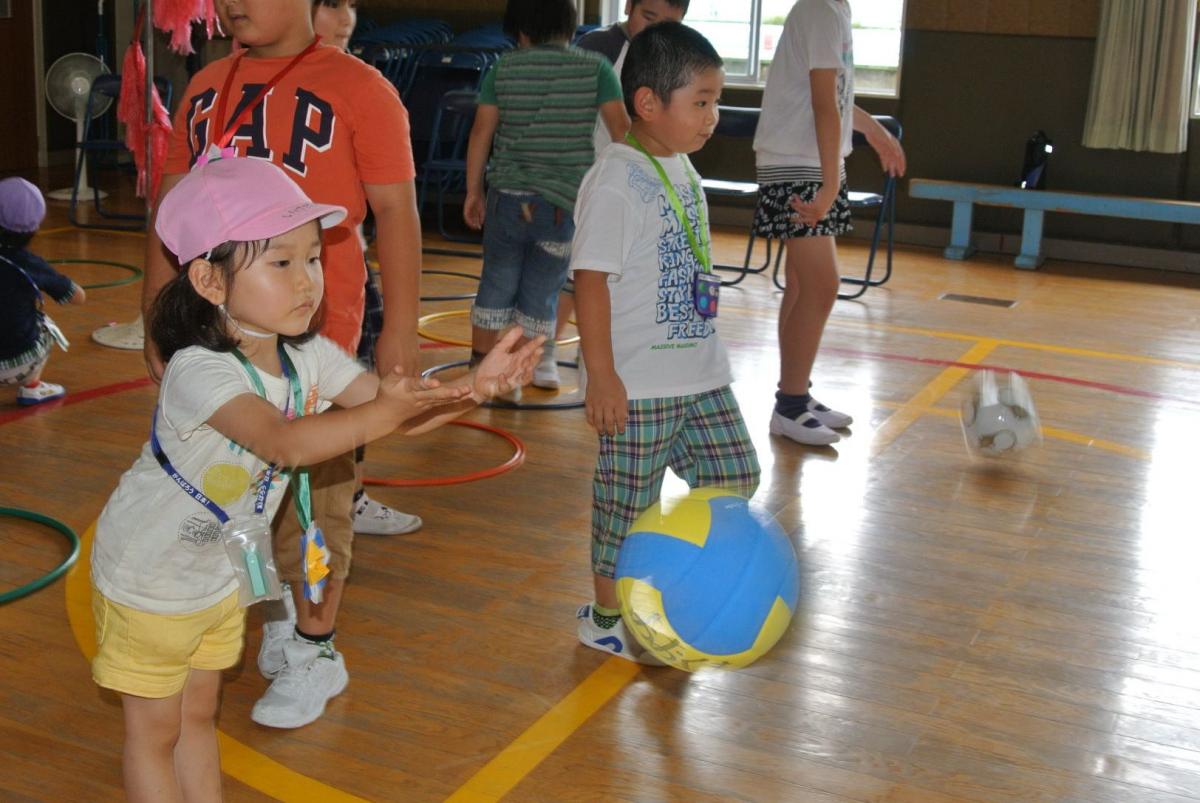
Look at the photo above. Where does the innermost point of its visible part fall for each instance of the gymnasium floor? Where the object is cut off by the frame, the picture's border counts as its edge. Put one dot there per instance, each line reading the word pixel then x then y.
pixel 1018 629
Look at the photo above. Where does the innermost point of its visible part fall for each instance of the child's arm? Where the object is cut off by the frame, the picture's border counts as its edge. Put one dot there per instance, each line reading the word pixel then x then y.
pixel 606 401
pixel 160 269
pixel 487 119
pixel 398 238
pixel 891 152
pixel 829 146
pixel 504 368
pixel 259 426
pixel 615 118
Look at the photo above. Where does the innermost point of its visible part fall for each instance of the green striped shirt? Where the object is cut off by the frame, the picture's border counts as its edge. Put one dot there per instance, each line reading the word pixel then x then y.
pixel 548 97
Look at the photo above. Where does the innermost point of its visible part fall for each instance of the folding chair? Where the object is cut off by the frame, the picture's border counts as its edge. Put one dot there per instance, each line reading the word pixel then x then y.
pixel 886 201
pixel 101 141
pixel 446 164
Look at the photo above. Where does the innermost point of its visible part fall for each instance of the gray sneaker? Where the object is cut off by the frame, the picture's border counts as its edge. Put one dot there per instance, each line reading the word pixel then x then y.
pixel 376 518
pixel 313 674
pixel 279 629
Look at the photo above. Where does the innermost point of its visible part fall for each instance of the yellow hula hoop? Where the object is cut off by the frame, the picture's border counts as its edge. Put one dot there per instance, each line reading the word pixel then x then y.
pixel 424 321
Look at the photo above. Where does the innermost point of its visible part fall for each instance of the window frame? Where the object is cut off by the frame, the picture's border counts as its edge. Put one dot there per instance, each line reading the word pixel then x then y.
pixel 612 11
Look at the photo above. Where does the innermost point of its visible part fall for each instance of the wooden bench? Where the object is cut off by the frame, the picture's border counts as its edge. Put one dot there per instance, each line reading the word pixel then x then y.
pixel 1036 204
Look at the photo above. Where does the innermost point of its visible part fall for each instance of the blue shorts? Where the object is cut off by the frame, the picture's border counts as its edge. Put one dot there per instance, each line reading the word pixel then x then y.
pixel 526 252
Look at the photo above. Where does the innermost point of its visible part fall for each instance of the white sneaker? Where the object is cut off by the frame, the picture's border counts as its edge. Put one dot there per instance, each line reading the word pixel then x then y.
pixel 313 674
pixel 41 392
pixel 277 631
pixel 830 418
pixel 375 518
pixel 806 429
pixel 615 640
pixel 545 375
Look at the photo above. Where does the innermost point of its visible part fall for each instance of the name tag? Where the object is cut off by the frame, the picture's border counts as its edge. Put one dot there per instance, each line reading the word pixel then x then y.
pixel 707 294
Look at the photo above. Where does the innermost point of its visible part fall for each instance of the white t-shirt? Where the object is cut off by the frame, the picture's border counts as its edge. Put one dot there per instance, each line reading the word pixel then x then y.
pixel 625 226
pixel 159 550
pixel 816 35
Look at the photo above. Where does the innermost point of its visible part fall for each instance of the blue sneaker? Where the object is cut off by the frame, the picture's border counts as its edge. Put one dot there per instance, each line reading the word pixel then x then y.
pixel 615 640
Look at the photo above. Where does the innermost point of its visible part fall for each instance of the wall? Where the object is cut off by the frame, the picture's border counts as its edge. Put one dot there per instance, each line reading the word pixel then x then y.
pixel 977 79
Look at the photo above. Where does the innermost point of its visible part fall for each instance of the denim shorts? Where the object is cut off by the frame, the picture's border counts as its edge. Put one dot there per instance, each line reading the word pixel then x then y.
pixel 526 252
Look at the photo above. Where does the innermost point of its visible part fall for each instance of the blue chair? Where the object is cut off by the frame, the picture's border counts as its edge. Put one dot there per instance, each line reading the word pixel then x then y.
pixel 98 139
pixel 885 199
pixel 445 165
pixel 739 122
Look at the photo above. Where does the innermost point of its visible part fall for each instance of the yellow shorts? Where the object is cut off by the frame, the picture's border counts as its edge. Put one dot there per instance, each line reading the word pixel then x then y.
pixel 150 654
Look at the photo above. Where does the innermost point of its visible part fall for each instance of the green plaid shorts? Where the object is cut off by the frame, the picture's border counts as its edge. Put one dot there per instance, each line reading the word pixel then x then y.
pixel 701 437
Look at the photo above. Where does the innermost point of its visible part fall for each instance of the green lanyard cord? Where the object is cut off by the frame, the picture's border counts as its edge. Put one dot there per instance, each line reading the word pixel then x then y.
pixel 302 494
pixel 703 254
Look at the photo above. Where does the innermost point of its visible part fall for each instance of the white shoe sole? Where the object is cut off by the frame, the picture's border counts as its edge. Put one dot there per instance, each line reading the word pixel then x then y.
pixel 809 436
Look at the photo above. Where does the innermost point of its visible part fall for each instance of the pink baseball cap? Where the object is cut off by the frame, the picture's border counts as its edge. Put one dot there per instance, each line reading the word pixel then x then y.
pixel 22 207
pixel 235 199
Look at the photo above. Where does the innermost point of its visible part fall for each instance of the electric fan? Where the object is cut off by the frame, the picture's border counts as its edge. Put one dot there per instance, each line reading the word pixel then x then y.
pixel 68 84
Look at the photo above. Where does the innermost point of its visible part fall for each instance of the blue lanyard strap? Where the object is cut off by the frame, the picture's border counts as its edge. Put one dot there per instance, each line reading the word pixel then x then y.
pixel 702 245
pixel 264 488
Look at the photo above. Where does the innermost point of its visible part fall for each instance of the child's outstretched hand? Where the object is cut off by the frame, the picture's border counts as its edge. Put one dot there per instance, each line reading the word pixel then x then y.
pixel 410 396
pixel 506 367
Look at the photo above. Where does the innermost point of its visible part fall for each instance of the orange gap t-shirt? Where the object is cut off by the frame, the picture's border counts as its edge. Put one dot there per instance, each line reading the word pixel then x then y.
pixel 333 124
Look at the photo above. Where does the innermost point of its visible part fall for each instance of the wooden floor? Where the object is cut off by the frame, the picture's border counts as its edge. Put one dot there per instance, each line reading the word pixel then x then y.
pixel 1021 629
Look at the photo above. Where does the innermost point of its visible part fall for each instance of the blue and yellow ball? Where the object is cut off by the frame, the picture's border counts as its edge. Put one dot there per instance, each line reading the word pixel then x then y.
pixel 706 581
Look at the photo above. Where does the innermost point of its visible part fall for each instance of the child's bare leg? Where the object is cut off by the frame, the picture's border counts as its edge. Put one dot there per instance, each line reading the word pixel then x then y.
pixel 566 309
pixel 148 757
pixel 812 287
pixel 606 591
pixel 316 620
pixel 482 340
pixel 36 376
pixel 197 760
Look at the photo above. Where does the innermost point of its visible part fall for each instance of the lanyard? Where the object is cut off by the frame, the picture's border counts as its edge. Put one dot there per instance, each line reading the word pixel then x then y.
pixel 260 498
pixel 228 131
pixel 703 254
pixel 302 492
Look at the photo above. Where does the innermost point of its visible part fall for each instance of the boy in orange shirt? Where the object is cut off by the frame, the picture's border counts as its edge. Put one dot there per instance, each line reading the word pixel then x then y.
pixel 338 129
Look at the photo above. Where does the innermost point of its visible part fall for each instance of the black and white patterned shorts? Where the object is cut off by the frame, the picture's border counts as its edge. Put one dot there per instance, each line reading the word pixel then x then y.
pixel 774 216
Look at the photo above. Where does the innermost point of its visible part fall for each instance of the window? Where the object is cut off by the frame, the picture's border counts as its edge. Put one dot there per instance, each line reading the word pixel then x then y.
pixel 746 34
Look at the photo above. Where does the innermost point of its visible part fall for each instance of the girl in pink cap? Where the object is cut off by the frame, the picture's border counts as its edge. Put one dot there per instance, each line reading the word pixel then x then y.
pixel 26 332
pixel 184 542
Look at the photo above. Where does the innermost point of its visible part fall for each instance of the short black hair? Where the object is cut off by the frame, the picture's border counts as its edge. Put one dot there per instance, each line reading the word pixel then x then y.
pixel 180 317
pixel 665 57
pixel 672 3
pixel 336 3
pixel 541 21
pixel 15 239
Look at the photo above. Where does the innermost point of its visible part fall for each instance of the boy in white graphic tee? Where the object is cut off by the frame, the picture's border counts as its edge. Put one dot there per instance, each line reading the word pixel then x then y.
pixel 656 374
